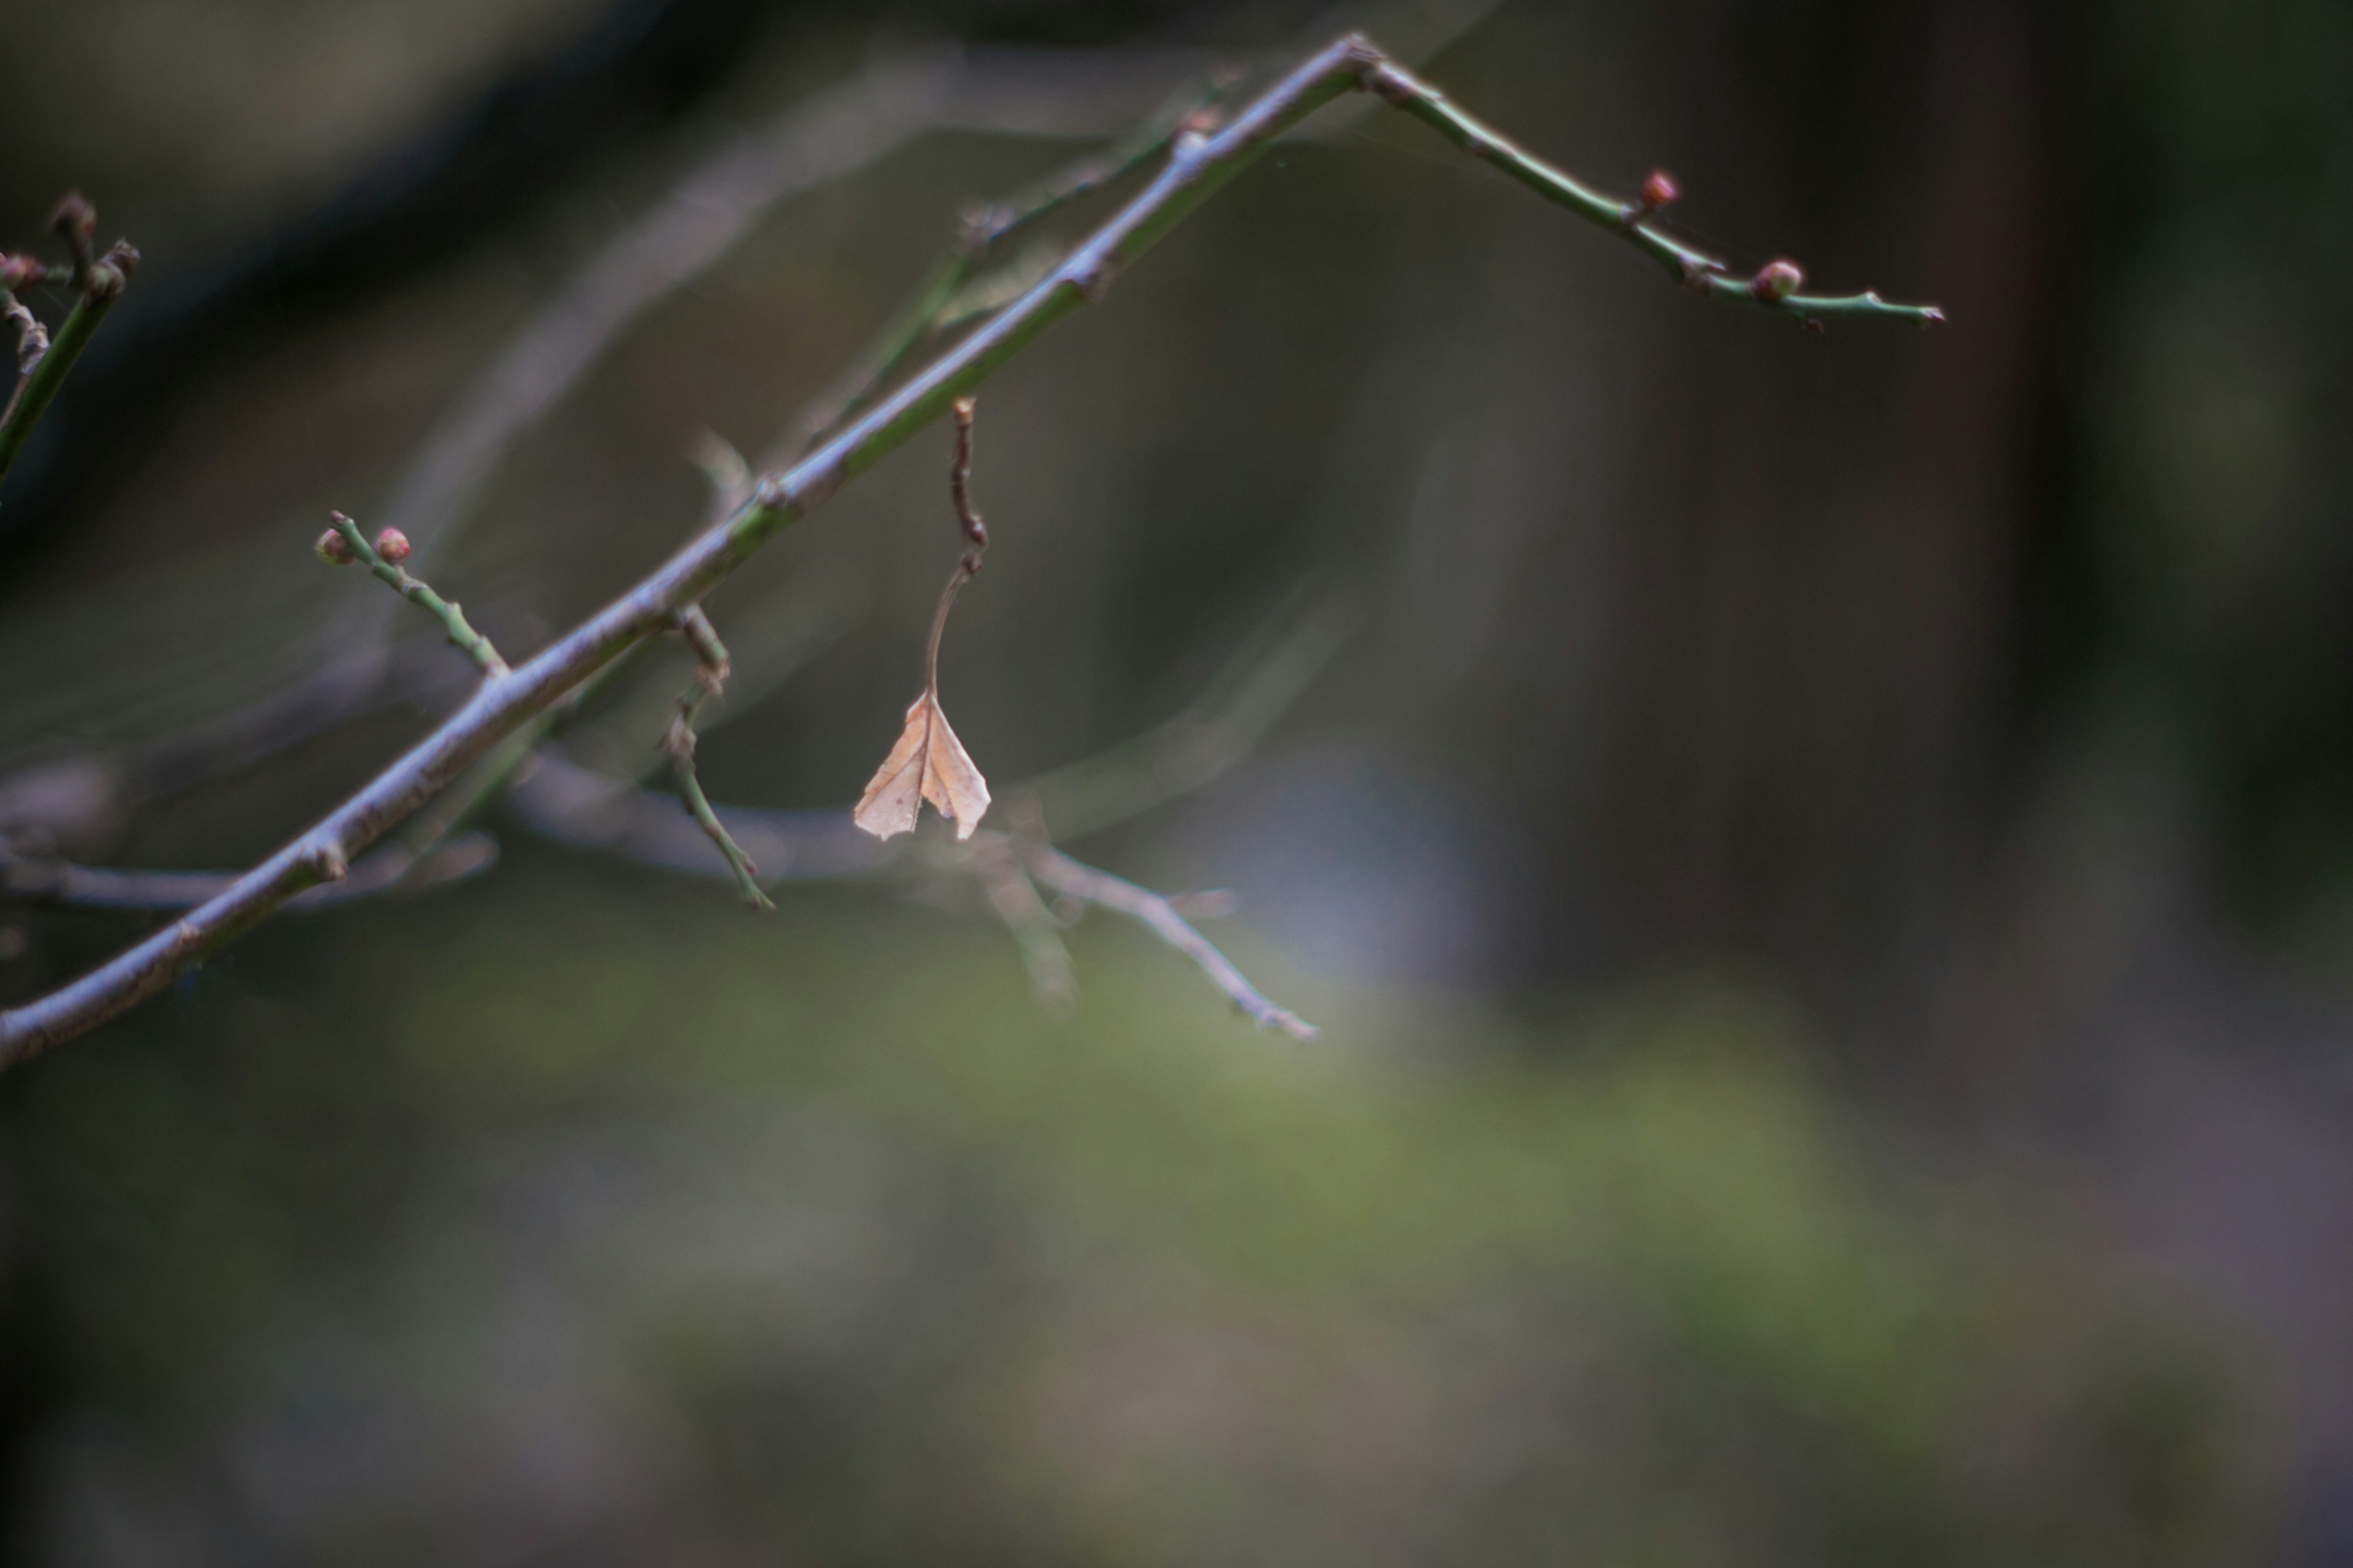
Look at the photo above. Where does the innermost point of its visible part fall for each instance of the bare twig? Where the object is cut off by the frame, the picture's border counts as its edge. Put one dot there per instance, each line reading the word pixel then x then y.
pixel 395 866
pixel 1051 868
pixel 1198 166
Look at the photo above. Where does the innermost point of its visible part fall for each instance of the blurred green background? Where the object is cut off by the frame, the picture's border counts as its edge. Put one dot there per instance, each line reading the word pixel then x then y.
pixel 1825 867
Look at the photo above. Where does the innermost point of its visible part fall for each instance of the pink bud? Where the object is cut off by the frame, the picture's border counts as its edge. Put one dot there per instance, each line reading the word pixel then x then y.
pixel 1777 281
pixel 1659 190
pixel 18 273
pixel 393 545
pixel 334 548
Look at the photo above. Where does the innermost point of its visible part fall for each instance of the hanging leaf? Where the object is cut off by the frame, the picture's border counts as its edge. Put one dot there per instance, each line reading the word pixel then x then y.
pixel 929 764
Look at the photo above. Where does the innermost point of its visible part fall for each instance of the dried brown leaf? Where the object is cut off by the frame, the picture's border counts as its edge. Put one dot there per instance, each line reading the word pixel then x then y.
pixel 928 763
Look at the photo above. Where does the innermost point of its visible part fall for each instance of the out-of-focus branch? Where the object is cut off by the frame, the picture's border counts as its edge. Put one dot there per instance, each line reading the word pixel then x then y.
pixel 980 235
pixel 395 866
pixel 1198 166
pixel 1293 645
pixel 1082 95
pixel 1049 866
pixel 576 805
pixel 42 364
pixel 710 678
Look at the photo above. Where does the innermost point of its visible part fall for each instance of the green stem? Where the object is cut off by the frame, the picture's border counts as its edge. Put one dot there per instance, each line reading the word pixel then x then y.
pixel 1629 220
pixel 462 637
pixel 33 399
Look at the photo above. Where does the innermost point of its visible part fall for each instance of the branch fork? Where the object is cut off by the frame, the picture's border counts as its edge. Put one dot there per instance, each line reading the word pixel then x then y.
pixel 507 703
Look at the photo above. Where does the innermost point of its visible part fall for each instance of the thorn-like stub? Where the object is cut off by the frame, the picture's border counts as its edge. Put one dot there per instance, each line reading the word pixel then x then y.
pixel 393 545
pixel 75 219
pixel 1932 316
pixel 328 860
pixel 1777 281
pixel 334 548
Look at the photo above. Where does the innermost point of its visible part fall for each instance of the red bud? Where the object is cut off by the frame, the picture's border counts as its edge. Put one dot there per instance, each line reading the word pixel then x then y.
pixel 1659 190
pixel 334 548
pixel 1777 281
pixel 18 273
pixel 393 545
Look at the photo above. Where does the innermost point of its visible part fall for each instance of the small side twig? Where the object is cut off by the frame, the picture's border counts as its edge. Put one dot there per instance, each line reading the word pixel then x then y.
pixel 344 543
pixel 703 637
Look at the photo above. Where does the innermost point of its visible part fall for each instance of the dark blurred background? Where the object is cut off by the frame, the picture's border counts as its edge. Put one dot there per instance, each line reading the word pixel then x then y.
pixel 1825 867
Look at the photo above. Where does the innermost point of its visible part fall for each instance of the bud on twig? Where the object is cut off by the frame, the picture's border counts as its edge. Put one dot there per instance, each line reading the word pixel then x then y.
pixel 1658 190
pixel 1777 281
pixel 334 548
pixel 393 545
pixel 76 220
pixel 18 273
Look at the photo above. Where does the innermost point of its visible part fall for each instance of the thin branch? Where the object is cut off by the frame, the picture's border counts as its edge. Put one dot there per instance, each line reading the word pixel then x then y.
pixel 703 637
pixel 1198 166
pixel 395 866
pixel 1053 868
